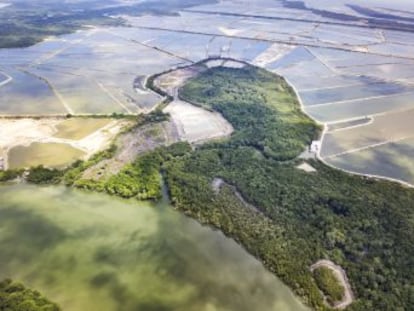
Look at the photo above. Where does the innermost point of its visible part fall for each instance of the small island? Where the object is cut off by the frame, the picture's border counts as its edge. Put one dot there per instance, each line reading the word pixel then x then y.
pixel 333 283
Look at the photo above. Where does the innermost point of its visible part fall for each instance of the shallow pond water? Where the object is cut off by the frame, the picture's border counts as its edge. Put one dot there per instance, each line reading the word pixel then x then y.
pixel 93 252
pixel 48 154
pixel 78 128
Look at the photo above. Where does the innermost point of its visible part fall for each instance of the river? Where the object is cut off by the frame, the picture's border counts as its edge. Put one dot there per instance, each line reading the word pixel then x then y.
pixel 92 252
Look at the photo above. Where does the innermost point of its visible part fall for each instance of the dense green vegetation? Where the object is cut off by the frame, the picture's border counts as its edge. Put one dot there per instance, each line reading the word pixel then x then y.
pixel 262 108
pixel 16 297
pixel 43 175
pixel 9 175
pixel 366 226
pixel 328 284
pixel 140 179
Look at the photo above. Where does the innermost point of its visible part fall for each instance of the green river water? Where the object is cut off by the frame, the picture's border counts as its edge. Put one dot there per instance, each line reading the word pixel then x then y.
pixel 91 252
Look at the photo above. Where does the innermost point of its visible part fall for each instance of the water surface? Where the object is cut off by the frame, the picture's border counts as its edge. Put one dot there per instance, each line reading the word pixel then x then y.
pixel 92 252
pixel 55 155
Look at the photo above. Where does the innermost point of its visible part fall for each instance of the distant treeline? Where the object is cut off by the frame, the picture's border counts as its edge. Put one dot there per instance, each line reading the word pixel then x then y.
pixel 23 24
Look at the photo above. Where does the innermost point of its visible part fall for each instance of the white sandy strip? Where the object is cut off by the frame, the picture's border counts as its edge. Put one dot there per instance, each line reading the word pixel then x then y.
pixel 340 274
pixel 101 138
pixel 230 31
pixel 306 167
pixel 273 53
pixel 7 80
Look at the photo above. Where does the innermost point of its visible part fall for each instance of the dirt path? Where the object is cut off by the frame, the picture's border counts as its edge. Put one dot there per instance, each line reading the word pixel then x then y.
pixel 340 274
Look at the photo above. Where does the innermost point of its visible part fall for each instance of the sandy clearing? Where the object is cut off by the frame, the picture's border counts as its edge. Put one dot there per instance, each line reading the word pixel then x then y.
pixel 230 31
pixel 215 63
pixel 7 78
pixel 23 132
pixel 216 184
pixel 101 138
pixel 306 167
pixel 273 53
pixel 223 62
pixel 197 125
pixel 192 123
pixel 234 64
pixel 171 81
pixel 340 274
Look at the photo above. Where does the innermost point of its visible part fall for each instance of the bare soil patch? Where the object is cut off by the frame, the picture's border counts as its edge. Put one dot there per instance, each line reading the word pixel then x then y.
pixel 197 125
pixel 132 144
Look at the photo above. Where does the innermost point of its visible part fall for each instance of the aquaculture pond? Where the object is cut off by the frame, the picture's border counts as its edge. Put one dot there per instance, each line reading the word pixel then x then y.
pixel 49 154
pixel 93 252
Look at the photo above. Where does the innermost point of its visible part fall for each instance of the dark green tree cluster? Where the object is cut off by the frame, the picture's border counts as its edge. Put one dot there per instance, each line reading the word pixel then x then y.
pixel 15 297
pixel 43 175
pixel 9 175
pixel 140 179
pixel 261 106
pixel 329 284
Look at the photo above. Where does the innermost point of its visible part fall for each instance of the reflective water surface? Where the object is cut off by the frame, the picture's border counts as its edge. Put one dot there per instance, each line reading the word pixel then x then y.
pixel 92 252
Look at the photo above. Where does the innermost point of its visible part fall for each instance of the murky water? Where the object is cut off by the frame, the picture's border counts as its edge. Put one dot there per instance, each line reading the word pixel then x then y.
pixel 49 154
pixel 79 128
pixel 92 252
